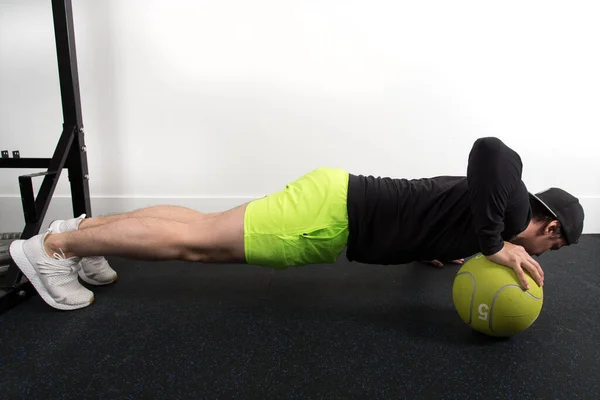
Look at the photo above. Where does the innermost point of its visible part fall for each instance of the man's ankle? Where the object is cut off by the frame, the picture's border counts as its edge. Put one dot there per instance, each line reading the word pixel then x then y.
pixel 52 245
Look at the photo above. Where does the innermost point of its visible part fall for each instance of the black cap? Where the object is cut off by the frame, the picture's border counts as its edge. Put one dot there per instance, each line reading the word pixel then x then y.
pixel 566 209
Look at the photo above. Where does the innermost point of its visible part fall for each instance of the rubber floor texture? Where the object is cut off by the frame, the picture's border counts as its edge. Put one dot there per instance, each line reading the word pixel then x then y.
pixel 343 331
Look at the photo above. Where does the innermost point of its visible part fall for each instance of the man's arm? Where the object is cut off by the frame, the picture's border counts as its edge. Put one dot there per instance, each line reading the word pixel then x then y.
pixel 493 174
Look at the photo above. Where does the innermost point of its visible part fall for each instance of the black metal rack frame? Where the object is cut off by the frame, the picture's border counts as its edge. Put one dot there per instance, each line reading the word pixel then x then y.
pixel 70 153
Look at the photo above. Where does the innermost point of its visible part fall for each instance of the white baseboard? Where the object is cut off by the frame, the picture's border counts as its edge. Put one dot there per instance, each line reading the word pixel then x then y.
pixel 11 214
pixel 591 207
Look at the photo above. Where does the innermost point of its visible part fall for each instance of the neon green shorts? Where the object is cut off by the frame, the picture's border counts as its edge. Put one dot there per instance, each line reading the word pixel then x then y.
pixel 306 223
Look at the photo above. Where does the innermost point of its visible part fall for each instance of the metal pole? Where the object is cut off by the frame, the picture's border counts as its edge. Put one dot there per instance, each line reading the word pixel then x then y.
pixel 64 32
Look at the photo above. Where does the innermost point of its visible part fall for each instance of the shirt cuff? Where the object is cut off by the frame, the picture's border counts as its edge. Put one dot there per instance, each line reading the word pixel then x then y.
pixel 490 246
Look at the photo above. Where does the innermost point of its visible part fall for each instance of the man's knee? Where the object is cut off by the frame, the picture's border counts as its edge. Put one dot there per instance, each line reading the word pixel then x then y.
pixel 211 255
pixel 216 240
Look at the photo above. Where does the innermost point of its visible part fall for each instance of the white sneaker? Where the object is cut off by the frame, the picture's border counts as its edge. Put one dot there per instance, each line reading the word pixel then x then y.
pixel 54 278
pixel 94 270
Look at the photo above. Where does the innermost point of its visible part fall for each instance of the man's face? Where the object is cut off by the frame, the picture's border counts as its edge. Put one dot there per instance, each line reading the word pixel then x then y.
pixel 545 239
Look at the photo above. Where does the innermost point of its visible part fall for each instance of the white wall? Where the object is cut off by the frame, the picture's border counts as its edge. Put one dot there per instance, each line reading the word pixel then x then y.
pixel 211 103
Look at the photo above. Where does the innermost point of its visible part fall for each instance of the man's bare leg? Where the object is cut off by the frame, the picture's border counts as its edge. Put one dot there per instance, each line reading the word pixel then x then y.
pixel 96 270
pixel 170 213
pixel 181 234
pixel 50 260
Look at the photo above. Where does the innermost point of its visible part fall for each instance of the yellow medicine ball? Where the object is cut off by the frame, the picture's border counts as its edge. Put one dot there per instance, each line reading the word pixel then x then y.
pixel 489 298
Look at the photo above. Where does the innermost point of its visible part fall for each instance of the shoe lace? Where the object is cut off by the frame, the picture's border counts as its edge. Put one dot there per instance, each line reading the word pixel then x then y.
pixel 60 256
pixel 51 268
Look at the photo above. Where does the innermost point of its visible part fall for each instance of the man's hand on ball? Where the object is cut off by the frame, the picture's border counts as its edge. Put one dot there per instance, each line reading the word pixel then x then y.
pixel 439 264
pixel 517 258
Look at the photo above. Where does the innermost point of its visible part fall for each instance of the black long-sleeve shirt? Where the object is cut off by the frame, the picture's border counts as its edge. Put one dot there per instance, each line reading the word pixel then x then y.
pixel 397 221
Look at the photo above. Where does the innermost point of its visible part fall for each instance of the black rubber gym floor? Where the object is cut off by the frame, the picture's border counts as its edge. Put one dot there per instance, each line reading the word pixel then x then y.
pixel 178 330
